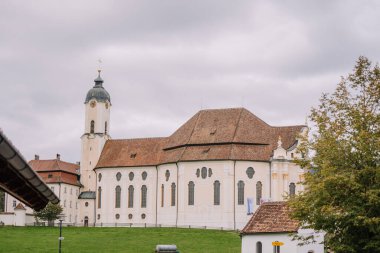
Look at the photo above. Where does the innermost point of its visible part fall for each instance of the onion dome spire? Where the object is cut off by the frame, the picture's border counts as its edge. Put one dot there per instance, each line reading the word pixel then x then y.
pixel 98 92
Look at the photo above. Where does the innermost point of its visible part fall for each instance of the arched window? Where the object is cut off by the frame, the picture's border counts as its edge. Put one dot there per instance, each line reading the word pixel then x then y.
pixel 100 177
pixel 204 172
pixel 162 195
pixel 240 186
pixel 292 189
pixel 143 195
pixel 191 193
pixel 105 127
pixel 130 196
pixel 259 192
pixel 259 247
pixel 173 194
pixel 117 196
pixel 167 175
pixel 216 193
pixel 92 129
pixel 99 197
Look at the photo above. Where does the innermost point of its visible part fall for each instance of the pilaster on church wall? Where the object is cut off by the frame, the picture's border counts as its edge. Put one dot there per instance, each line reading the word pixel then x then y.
pixel 262 174
pixel 166 214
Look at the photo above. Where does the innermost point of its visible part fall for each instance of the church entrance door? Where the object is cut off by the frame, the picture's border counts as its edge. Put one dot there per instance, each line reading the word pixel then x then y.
pixel 86 221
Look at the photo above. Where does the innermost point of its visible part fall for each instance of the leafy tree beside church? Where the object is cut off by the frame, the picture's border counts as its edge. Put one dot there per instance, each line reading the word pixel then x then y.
pixel 49 213
pixel 342 195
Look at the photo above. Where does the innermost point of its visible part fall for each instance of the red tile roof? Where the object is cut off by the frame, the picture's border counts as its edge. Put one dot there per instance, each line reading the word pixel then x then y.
pixel 220 134
pixel 54 165
pixel 56 171
pixel 271 217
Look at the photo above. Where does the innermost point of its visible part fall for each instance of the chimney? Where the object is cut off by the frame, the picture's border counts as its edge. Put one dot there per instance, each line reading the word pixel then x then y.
pixel 36 157
pixel 58 157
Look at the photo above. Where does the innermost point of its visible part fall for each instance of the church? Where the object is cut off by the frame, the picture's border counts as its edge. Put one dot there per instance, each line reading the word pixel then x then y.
pixel 214 171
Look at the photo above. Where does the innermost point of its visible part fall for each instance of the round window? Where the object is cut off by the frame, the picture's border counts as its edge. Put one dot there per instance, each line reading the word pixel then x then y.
pixel 131 176
pixel 250 172
pixel 143 216
pixel 86 204
pixel 117 216
pixel 118 176
pixel 144 175
pixel 130 216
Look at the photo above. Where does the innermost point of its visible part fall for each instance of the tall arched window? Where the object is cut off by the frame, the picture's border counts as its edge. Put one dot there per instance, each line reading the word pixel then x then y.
pixel 162 195
pixel 99 197
pixel 92 129
pixel 173 194
pixel 259 192
pixel 143 195
pixel 117 196
pixel 240 186
pixel 259 247
pixel 216 193
pixel 105 127
pixel 191 193
pixel 130 196
pixel 292 189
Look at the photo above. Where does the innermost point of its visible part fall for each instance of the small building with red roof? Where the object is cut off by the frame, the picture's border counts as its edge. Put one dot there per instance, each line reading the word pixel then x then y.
pixel 270 229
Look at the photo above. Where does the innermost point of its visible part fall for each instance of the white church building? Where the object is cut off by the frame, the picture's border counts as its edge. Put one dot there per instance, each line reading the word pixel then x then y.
pixel 215 170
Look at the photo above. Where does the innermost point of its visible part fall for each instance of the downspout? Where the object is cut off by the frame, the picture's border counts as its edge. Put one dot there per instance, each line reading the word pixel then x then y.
pixel 156 193
pixel 177 188
pixel 234 196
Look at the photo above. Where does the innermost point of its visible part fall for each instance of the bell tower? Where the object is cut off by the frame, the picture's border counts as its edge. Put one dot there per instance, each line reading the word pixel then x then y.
pixel 96 131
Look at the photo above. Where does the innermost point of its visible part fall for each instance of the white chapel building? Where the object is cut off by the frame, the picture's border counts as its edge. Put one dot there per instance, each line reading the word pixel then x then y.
pixel 215 170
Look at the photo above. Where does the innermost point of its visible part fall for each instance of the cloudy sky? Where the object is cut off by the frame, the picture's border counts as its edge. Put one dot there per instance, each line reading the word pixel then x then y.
pixel 165 60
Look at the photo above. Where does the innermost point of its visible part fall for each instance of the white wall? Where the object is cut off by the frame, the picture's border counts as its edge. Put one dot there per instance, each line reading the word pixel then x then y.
pixel 7 218
pixel 249 243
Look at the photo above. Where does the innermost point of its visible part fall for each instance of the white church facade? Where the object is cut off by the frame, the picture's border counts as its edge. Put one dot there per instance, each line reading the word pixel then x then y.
pixel 214 171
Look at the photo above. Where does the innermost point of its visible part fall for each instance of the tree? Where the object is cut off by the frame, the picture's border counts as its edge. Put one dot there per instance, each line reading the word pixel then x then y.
pixel 49 213
pixel 342 195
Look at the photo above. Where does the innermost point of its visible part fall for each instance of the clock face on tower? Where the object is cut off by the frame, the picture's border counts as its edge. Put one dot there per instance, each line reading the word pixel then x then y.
pixel 93 104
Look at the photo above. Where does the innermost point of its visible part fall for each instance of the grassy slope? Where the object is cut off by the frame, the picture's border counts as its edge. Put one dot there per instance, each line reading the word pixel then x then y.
pixel 44 239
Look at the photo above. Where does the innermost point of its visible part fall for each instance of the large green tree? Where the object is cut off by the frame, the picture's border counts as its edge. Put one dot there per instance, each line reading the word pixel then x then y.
pixel 342 195
pixel 49 213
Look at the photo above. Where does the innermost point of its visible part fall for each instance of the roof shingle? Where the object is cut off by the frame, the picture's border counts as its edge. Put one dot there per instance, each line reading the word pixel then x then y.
pixel 271 217
pixel 218 134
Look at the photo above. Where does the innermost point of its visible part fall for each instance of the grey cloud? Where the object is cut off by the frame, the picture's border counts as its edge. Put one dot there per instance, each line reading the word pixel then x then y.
pixel 165 60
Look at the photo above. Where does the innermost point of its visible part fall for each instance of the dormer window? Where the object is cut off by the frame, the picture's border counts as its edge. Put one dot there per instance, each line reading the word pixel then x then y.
pixel 50 175
pixel 213 131
pixel 133 155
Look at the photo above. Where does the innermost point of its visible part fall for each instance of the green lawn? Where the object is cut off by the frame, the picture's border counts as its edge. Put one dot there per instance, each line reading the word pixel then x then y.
pixel 45 239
